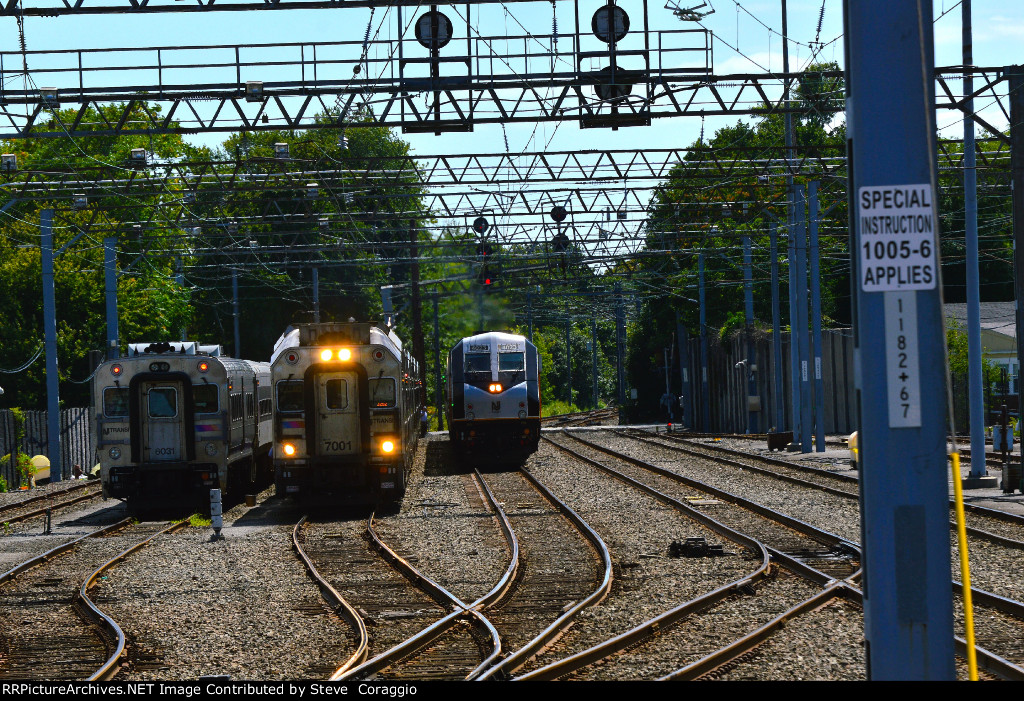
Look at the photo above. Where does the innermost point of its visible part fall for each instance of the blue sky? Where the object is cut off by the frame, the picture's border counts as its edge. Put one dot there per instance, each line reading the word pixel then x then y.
pixel 747 39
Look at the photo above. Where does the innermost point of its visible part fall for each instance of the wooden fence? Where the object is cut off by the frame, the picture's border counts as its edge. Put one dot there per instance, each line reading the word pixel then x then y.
pixel 76 440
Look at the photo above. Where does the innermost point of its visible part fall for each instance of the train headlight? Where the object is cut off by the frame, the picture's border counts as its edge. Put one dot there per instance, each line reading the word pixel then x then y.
pixel 115 370
pixel 344 354
pixel 522 414
pixel 494 388
pixel 289 449
pixel 470 415
pixel 326 354
pixel 114 453
pixel 211 449
pixel 388 446
pixel 204 366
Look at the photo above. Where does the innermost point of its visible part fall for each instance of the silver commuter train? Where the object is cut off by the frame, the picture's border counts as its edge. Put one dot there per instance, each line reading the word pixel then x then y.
pixel 346 421
pixel 176 419
pixel 494 395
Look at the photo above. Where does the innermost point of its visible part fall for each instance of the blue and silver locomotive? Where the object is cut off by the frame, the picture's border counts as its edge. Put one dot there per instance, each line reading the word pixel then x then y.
pixel 494 395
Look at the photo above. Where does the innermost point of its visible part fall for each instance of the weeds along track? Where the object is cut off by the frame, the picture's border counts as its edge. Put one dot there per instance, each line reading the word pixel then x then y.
pixel 51 630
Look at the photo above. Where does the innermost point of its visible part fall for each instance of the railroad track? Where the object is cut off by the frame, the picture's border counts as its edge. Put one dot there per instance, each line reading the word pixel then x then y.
pixel 40 505
pixel 54 630
pixel 581 418
pixel 1000 618
pixel 637 649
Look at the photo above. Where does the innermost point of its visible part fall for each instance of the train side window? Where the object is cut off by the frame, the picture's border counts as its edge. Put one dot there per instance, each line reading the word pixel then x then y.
pixel 205 399
pixel 163 402
pixel 478 364
pixel 289 396
pixel 336 394
pixel 382 392
pixel 115 401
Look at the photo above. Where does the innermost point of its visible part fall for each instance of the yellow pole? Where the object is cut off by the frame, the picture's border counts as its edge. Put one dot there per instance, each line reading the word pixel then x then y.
pixel 965 568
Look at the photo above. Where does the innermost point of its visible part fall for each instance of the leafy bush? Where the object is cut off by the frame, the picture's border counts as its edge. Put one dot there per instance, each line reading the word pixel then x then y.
pixel 558 406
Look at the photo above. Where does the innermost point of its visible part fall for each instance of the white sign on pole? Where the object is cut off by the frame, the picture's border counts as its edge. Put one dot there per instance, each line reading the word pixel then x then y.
pixel 902 362
pixel 897 234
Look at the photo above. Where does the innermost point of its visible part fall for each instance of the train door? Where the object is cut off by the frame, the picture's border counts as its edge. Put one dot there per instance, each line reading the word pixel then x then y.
pixel 337 403
pixel 163 419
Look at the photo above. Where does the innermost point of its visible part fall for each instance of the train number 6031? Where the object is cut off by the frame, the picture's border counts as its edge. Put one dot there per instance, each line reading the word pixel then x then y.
pixel 337 445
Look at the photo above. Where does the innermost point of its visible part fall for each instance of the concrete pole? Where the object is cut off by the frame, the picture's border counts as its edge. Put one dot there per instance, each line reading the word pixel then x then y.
pixel 593 337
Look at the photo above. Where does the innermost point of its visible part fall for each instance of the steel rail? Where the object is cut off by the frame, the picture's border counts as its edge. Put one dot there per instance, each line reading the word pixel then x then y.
pixel 1007 606
pixel 801 526
pixel 39 559
pixel 33 499
pixel 653 626
pixel 972 530
pixel 109 669
pixel 430 633
pixel 557 627
pixel 504 585
pixel 337 603
pixel 42 511
pixel 724 656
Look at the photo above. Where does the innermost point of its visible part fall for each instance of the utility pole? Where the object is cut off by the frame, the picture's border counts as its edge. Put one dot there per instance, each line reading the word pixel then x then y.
pixel 801 323
pixel 705 409
pixel 686 406
pixel 110 283
pixel 780 399
pixel 593 336
pixel 975 384
pixel 529 316
pixel 819 383
pixel 438 375
pixel 620 343
pixel 1016 94
pixel 899 340
pixel 748 311
pixel 316 295
pixel 234 312
pixel 50 339
pixel 568 351
pixel 417 309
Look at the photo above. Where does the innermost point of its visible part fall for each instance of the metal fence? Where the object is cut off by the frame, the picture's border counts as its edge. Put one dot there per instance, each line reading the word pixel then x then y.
pixel 76 440
pixel 726 397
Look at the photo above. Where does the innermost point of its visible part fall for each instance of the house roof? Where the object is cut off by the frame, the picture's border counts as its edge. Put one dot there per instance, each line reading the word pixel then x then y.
pixel 998 317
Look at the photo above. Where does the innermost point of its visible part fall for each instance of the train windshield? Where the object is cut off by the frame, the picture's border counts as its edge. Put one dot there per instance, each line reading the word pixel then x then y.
pixel 382 392
pixel 289 395
pixel 115 401
pixel 478 365
pixel 204 399
pixel 511 368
